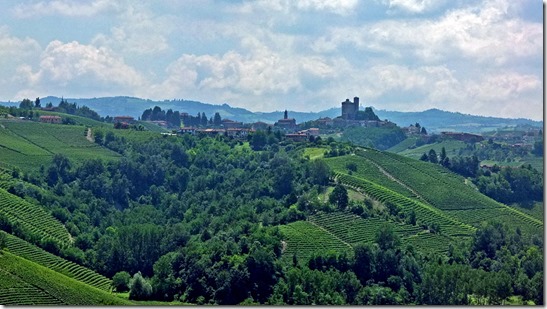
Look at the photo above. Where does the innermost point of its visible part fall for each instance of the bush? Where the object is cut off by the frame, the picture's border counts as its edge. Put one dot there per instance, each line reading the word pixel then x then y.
pixel 140 289
pixel 120 281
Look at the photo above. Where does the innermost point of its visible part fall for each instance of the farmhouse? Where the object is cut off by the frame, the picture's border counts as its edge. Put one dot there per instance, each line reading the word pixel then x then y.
pixel 465 137
pixel 126 119
pixel 50 119
pixel 229 124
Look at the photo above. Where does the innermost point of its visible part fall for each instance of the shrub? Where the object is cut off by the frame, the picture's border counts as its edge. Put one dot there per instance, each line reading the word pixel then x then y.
pixel 140 289
pixel 120 281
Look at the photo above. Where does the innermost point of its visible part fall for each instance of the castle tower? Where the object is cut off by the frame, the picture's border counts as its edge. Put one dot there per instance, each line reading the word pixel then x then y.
pixel 286 115
pixel 347 109
pixel 355 107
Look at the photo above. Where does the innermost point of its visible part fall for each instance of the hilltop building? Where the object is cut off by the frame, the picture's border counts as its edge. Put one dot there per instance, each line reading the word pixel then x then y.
pixel 352 116
pixel 287 124
pixel 350 109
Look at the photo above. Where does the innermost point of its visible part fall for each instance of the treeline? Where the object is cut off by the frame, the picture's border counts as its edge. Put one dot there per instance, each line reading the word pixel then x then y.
pixel 26 106
pixel 174 118
pixel 195 219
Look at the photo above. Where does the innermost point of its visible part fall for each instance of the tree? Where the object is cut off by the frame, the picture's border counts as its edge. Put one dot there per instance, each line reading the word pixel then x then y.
pixel 424 157
pixel 217 120
pixel 339 196
pixel 424 131
pixel 319 172
pixel 26 104
pixel 98 135
pixel 120 281
pixel 443 155
pixel 37 103
pixel 140 289
pixel 433 156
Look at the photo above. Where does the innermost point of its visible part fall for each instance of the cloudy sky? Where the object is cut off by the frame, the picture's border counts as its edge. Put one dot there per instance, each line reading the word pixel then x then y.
pixel 477 57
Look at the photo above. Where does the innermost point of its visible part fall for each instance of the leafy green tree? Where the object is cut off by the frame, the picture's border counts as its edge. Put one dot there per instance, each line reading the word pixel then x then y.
pixel 140 288
pixel 319 172
pixel 339 196
pixel 120 281
pixel 37 103
pixel 26 104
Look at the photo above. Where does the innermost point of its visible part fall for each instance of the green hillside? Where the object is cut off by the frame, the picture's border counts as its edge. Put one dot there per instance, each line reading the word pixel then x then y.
pixel 25 282
pixel 33 218
pixel 451 146
pixel 427 184
pixel 37 255
pixel 28 145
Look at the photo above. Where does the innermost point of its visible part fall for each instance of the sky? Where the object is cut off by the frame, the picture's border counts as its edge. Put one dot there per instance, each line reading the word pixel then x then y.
pixel 482 57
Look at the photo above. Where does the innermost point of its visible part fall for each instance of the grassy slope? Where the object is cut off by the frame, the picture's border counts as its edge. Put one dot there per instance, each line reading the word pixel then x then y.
pixel 404 145
pixel 57 287
pixel 32 217
pixel 27 145
pixel 461 206
pixel 37 255
pixel 451 147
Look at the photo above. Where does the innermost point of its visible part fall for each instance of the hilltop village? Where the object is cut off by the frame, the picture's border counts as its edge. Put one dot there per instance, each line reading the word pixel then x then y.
pixel 183 123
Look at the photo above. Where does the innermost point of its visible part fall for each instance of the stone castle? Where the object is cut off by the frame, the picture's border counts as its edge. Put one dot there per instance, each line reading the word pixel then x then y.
pixel 350 109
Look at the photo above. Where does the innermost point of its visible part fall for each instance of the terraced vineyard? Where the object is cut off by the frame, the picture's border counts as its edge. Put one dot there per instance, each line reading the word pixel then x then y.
pixel 14 291
pixel 505 215
pixel 305 238
pixel 32 217
pixel 425 213
pixel 30 252
pixel 438 186
pixel 446 190
pixel 31 283
pixel 366 170
pixel 27 144
pixel 354 229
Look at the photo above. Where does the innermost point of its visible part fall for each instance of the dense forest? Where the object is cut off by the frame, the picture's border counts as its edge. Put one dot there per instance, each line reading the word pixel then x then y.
pixel 196 219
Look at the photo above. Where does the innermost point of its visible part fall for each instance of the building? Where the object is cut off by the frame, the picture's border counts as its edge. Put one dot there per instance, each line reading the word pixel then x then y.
pixel 50 119
pixel 229 124
pixel 260 126
pixel 310 132
pixel 297 137
pixel 189 130
pixel 287 124
pixel 350 109
pixel 126 119
pixel 464 137
pixel 237 132
pixel 325 121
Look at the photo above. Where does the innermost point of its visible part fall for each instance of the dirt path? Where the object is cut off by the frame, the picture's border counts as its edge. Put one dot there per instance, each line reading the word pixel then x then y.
pixel 391 177
pixel 89 135
pixel 328 232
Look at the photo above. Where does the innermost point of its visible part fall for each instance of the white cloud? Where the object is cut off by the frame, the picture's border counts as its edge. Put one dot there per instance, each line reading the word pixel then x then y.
pixel 83 69
pixel 413 6
pixel 63 7
pixel 13 48
pixel 138 32
pixel 483 33
pixel 340 7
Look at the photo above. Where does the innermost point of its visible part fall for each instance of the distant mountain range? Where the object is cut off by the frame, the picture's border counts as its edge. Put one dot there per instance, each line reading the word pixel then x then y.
pixel 434 120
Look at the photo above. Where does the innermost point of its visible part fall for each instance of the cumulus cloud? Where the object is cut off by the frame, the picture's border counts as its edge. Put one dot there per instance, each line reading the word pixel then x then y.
pixel 483 33
pixel 413 6
pixel 80 68
pixel 340 7
pixel 138 31
pixel 63 7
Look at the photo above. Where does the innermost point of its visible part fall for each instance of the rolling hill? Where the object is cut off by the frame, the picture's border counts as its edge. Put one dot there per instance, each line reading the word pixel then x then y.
pixel 434 120
pixel 447 210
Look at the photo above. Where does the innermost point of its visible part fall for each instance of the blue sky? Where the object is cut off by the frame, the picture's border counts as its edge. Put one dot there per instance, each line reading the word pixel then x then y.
pixel 476 57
